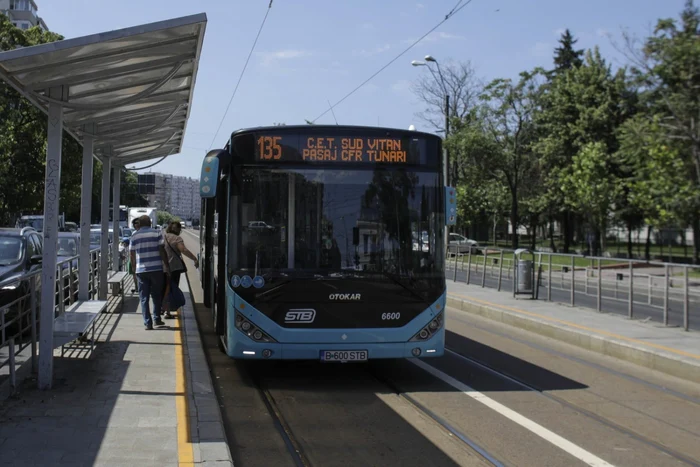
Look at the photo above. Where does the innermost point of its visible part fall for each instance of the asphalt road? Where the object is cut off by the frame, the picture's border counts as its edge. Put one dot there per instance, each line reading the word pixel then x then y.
pixel 608 302
pixel 517 398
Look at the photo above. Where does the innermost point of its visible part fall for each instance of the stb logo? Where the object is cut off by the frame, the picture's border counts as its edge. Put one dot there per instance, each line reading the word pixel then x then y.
pixel 302 315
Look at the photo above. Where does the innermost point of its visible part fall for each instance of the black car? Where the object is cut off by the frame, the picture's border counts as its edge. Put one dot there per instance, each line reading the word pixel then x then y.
pixel 20 253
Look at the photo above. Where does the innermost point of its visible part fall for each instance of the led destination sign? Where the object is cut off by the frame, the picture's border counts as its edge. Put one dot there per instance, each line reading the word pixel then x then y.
pixel 345 150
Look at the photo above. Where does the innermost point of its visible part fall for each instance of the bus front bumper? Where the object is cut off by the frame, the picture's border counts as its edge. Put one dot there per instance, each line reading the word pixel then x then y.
pixel 244 348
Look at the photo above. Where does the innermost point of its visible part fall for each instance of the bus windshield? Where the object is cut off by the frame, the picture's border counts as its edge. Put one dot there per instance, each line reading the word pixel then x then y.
pixel 344 223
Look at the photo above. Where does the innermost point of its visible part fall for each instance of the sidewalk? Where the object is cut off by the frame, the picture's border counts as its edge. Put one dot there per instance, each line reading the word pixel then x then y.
pixel 669 350
pixel 142 399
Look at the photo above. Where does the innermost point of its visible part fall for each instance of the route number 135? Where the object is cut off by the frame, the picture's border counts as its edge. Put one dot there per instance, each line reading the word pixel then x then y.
pixel 270 147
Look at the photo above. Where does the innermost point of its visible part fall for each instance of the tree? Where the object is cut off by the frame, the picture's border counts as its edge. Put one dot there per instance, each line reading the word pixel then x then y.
pixel 582 105
pixel 23 142
pixel 496 140
pixel 459 81
pixel 164 218
pixel 565 56
pixel 667 67
pixel 591 188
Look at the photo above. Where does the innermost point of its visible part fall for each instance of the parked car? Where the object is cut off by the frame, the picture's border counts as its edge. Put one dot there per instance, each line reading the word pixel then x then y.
pixel 461 244
pixel 20 253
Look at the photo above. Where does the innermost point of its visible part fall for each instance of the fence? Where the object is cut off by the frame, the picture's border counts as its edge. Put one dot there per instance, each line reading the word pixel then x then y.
pixel 667 292
pixel 20 302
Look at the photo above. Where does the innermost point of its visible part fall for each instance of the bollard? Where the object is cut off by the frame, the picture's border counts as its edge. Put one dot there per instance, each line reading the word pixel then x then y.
pixel 599 303
pixel 573 281
pixel 686 301
pixel 32 307
pixel 454 276
pixel 500 271
pixel 13 374
pixel 515 274
pixel 469 264
pixel 665 294
pixel 631 292
pixel 549 280
pixel 483 278
pixel 70 283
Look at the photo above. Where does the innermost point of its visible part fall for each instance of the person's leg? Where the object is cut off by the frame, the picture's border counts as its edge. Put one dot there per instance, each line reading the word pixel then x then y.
pixel 157 284
pixel 144 291
pixel 174 288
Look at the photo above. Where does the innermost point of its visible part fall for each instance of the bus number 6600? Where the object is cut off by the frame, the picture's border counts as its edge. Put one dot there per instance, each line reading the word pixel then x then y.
pixel 386 316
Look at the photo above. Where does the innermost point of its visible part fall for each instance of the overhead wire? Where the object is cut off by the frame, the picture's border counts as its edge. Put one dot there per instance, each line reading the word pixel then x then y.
pixel 457 8
pixel 241 75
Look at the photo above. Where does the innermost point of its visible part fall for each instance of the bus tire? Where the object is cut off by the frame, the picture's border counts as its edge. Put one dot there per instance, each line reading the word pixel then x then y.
pixel 219 317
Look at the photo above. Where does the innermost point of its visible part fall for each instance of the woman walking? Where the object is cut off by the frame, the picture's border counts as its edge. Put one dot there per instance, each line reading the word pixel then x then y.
pixel 175 248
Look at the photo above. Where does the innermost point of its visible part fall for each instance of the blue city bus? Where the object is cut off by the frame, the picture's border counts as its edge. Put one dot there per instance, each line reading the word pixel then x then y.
pixel 326 243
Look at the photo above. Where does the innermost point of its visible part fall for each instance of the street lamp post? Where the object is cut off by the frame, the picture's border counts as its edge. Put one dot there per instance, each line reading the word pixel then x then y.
pixel 445 155
pixel 441 81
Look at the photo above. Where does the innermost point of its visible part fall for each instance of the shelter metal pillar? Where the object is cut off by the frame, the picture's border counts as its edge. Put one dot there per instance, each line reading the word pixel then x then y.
pixel 104 238
pixel 50 235
pixel 86 213
pixel 115 216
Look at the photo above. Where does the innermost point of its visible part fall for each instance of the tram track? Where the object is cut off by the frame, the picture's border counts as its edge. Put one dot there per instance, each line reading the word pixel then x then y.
pixel 506 376
pixel 449 428
pixel 292 444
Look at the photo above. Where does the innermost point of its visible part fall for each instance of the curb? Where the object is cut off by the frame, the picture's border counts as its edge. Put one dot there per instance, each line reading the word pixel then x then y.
pixel 656 359
pixel 208 438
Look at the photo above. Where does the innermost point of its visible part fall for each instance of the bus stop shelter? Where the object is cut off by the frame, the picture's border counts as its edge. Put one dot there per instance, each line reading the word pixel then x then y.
pixel 125 96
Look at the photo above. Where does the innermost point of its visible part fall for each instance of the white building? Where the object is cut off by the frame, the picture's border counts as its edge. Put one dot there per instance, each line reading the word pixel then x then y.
pixel 22 13
pixel 177 195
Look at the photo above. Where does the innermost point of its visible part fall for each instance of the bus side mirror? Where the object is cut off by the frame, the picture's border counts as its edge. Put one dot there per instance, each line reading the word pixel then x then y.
pixel 209 177
pixel 450 206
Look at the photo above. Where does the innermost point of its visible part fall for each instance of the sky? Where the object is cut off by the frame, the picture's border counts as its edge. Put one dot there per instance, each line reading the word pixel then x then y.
pixel 311 52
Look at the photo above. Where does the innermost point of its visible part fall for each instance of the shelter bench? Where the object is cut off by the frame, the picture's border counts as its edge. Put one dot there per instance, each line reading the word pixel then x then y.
pixel 76 322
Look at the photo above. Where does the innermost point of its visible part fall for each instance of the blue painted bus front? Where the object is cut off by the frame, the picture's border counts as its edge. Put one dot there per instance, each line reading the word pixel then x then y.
pixel 305 344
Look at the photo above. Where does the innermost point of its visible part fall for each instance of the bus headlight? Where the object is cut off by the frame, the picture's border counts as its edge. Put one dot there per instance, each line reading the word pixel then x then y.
pixel 431 328
pixel 251 330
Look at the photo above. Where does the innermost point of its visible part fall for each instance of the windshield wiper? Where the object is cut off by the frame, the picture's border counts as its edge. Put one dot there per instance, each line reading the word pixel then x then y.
pixel 403 286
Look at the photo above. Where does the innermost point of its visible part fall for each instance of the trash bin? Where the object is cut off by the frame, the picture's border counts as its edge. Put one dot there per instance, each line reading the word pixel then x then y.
pixel 524 283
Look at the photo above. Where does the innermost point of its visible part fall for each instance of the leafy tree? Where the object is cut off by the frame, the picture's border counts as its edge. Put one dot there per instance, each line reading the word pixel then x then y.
pixel 164 218
pixel 582 105
pixel 496 140
pixel 667 67
pixel 591 187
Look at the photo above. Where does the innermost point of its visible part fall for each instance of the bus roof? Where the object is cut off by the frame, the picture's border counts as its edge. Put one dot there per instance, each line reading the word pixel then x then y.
pixel 330 128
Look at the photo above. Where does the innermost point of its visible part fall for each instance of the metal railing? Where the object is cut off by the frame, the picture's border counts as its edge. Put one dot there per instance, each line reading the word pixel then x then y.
pixel 669 292
pixel 20 306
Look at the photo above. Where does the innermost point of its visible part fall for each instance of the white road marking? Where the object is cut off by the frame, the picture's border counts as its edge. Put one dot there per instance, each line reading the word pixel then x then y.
pixel 514 416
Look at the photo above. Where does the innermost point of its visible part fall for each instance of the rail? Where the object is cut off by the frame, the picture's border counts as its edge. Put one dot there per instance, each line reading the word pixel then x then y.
pixel 20 302
pixel 671 290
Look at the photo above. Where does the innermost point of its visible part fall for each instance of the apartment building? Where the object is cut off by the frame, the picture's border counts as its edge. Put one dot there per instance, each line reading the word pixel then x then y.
pixel 23 13
pixel 177 195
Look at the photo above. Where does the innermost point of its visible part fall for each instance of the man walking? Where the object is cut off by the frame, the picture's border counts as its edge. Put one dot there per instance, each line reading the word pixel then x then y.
pixel 147 252
pixel 131 265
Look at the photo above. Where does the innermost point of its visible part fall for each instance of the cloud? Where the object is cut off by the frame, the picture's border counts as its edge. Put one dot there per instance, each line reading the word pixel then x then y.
pixel 541 49
pixel 401 86
pixel 437 36
pixel 419 5
pixel 268 58
pixel 374 51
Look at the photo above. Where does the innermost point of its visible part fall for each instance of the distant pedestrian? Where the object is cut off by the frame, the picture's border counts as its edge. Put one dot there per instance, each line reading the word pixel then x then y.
pixel 175 248
pixel 147 251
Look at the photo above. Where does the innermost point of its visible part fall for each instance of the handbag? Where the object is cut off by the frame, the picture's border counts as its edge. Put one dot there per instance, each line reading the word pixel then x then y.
pixel 176 254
